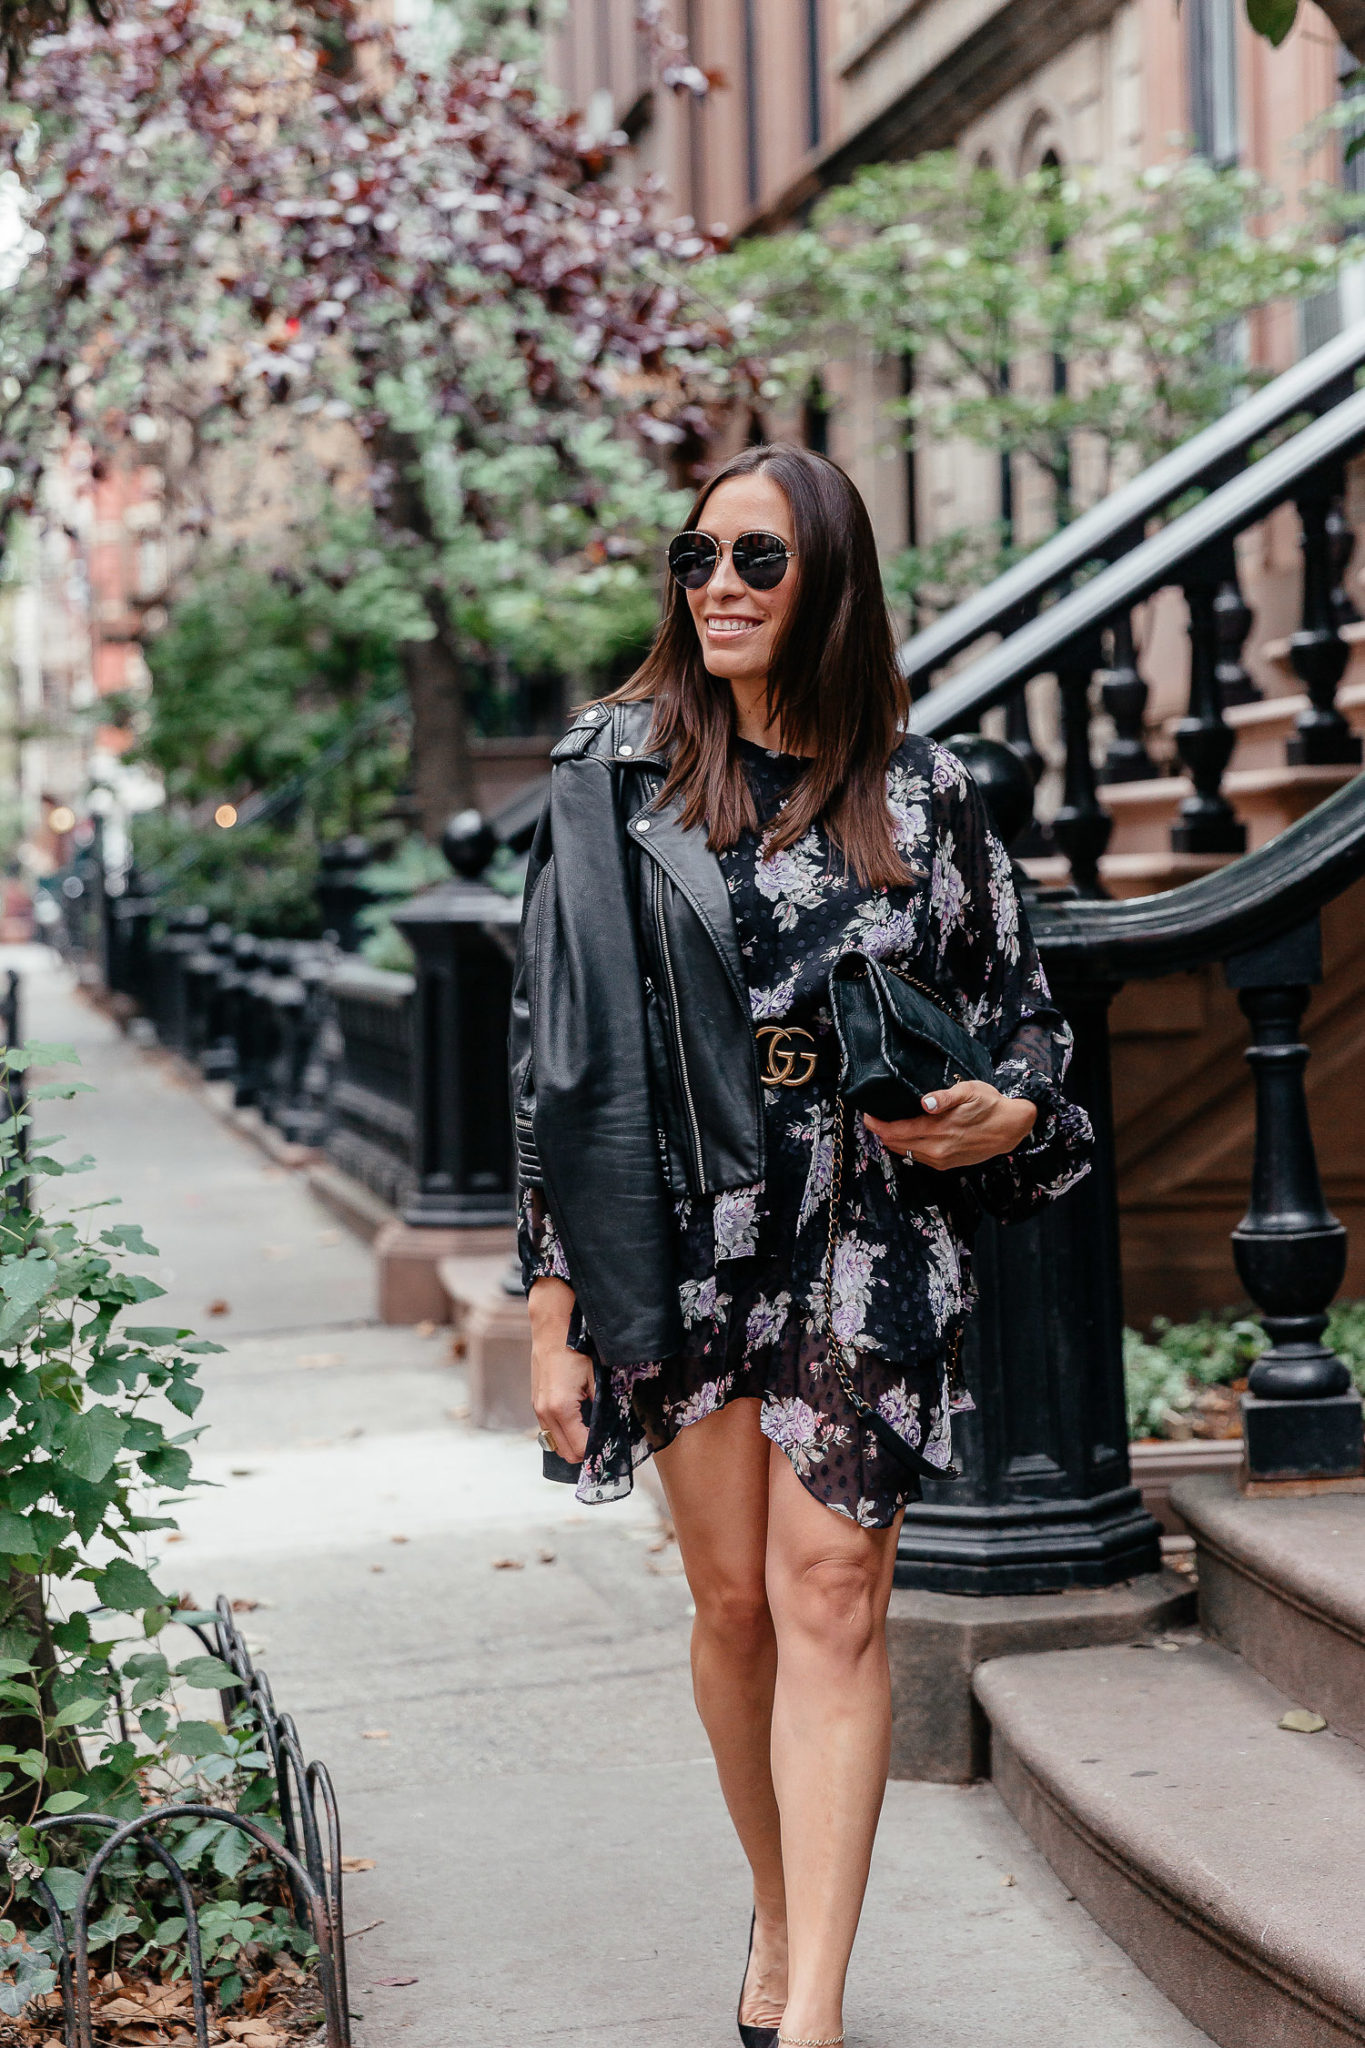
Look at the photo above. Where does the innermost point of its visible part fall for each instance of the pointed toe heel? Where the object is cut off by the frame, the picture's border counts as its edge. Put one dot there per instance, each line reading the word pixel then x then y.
pixel 752 2037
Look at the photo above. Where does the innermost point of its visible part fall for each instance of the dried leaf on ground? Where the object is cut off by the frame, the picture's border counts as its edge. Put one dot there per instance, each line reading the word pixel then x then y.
pixel 508 1564
pixel 1302 1721
pixel 357 1863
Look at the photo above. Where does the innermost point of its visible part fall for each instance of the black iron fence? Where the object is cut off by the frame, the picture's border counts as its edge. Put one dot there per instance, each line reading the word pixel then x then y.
pixel 398 1078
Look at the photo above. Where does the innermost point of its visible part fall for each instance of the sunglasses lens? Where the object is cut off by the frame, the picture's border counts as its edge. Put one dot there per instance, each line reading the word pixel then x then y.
pixel 692 559
pixel 760 560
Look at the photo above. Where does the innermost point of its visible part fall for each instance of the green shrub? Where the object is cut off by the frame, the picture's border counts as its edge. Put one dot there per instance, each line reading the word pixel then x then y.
pixel 92 1714
pixel 1165 1370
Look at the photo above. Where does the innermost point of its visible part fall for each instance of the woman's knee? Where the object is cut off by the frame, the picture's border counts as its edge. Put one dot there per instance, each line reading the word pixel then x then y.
pixel 734 1612
pixel 835 1603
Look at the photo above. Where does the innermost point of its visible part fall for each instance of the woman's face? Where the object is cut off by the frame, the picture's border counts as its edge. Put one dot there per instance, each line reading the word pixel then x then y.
pixel 739 628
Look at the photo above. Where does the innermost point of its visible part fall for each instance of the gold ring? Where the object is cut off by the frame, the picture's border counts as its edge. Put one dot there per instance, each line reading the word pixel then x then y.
pixel 547 1442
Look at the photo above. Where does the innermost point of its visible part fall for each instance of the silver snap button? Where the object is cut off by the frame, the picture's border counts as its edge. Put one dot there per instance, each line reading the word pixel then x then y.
pixel 625 750
pixel 592 712
pixel 642 824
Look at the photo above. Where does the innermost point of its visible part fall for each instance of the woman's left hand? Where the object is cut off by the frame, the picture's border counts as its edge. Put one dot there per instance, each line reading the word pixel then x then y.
pixel 961 1126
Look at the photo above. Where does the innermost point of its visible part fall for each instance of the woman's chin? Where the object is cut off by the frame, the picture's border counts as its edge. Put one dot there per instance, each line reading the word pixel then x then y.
pixel 733 665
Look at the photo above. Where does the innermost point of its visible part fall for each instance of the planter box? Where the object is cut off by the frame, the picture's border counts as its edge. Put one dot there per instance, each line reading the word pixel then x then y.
pixel 1157 1464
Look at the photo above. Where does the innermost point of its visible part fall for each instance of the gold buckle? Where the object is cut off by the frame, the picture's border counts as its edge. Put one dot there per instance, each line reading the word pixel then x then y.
pixel 781 1053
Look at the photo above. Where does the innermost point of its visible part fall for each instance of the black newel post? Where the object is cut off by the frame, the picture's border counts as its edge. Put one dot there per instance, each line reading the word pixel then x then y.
pixel 1081 826
pixel 1301 1416
pixel 1321 736
pixel 1204 739
pixel 339 890
pixel 1045 1499
pixel 464 936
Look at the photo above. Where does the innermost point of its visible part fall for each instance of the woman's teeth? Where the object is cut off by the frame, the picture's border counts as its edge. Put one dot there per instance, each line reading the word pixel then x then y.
pixel 731 625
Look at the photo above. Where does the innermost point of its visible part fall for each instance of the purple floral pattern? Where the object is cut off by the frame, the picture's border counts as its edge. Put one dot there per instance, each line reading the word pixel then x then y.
pixel 751 1261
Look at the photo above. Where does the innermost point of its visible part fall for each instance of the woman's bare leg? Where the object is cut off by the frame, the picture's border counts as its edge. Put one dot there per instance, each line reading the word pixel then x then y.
pixel 829 1582
pixel 715 1475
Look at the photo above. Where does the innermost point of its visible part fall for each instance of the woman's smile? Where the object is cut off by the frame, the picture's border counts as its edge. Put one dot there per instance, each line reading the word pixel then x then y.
pixel 726 625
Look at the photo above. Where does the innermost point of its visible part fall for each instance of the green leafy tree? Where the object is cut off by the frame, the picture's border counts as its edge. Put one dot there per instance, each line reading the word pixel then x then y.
pixel 988 283
pixel 258 210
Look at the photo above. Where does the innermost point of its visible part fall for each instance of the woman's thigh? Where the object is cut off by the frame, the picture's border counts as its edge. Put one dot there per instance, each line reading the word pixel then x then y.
pixel 715 1478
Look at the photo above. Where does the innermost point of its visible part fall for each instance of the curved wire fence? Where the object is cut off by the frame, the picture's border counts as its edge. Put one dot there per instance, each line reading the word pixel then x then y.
pixel 309 1857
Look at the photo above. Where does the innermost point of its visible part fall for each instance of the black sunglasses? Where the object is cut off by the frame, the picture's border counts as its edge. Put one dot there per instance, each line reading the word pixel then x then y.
pixel 760 559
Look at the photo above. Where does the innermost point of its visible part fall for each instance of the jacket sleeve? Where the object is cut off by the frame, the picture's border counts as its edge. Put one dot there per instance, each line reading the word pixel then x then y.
pixel 586 1138
pixel 985 951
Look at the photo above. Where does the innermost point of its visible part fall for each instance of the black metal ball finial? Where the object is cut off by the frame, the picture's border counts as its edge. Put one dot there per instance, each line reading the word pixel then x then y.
pixel 468 843
pixel 1002 775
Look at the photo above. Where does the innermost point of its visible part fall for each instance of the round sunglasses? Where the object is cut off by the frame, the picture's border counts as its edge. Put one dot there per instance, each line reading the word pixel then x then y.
pixel 759 559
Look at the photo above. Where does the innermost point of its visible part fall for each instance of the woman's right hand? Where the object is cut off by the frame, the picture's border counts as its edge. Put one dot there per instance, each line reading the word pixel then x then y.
pixel 561 1379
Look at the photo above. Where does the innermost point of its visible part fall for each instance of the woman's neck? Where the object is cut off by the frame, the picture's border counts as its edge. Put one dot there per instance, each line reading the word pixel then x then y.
pixel 751 714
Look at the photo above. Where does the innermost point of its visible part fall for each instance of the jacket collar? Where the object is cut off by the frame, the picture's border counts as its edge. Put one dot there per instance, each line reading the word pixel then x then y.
pixel 683 854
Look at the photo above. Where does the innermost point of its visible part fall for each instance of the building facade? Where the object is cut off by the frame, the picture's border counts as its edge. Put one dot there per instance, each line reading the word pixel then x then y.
pixel 804 91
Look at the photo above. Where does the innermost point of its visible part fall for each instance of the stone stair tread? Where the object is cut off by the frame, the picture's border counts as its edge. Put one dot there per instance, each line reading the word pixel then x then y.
pixel 1226 1854
pixel 1310 1550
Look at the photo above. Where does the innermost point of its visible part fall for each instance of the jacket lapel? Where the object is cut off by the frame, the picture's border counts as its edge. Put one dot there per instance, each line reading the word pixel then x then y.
pixel 689 863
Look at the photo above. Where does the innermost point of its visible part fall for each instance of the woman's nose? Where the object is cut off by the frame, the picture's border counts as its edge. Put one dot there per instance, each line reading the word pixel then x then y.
pixel 725 583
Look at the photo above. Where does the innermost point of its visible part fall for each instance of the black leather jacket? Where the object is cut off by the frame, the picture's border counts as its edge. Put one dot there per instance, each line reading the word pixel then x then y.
pixel 624 1093
pixel 634 1062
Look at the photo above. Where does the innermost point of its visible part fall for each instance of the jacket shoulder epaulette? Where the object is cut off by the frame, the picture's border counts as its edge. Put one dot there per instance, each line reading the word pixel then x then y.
pixel 589 723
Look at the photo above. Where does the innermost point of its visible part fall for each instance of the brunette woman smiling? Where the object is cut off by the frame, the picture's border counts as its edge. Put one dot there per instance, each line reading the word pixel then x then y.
pixel 728 1269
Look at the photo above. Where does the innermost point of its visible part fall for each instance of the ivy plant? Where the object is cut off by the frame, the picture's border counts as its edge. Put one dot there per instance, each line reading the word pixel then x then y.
pixel 96 1410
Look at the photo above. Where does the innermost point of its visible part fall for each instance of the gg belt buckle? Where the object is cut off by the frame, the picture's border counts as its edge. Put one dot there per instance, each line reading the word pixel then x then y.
pixel 782 1053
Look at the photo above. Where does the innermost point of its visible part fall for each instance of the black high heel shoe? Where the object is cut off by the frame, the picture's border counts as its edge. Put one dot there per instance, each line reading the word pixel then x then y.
pixel 752 2037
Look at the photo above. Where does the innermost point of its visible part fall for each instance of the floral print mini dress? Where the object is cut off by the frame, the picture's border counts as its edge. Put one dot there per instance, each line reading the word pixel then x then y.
pixel 751 1262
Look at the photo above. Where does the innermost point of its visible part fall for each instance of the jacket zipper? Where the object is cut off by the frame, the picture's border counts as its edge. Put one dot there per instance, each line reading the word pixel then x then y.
pixel 674 1020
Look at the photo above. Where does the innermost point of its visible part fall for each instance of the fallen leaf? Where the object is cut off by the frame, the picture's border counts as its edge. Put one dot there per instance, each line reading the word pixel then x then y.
pixel 165 2000
pixel 1302 1721
pixel 374 1735
pixel 357 1863
pixel 315 1361
pixel 546 1556
pixel 508 1564
pixel 376 1567
pixel 426 1328
pixel 396 1980
pixel 219 1308
pixel 245 1606
pixel 123 2012
pixel 1011 1879
pixel 243 1471
pixel 399 1539
pixel 173 1536
pixel 459 1348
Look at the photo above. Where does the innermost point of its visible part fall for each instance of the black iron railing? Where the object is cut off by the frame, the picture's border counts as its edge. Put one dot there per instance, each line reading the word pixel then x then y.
pixel 1113 526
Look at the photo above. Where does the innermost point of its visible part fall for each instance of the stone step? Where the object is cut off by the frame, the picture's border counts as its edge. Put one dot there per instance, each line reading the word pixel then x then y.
pixel 1224 1854
pixel 1282 1582
pixel 1263 729
pixel 1265 799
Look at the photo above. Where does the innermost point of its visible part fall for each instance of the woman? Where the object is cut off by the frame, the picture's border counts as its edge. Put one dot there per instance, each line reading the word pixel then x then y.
pixel 743 812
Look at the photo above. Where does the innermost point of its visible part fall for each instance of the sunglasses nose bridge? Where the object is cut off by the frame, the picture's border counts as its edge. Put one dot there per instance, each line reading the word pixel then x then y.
pixel 725 578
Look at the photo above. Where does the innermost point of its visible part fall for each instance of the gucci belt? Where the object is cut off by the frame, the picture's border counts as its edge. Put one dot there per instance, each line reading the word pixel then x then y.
pixel 788 1056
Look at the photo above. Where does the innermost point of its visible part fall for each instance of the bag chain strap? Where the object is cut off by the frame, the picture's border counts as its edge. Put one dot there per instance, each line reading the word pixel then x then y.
pixel 857 1402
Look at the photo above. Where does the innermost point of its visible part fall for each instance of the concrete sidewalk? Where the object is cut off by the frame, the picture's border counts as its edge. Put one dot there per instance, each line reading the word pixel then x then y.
pixel 498 1679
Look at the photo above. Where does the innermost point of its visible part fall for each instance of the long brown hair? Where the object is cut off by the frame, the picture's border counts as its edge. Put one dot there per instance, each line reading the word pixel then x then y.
pixel 835 689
